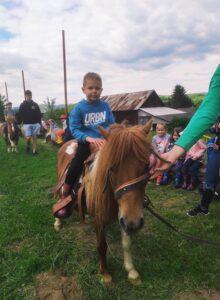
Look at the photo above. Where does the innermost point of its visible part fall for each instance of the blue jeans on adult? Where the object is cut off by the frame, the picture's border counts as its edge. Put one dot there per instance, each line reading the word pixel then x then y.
pixel 212 171
pixel 211 179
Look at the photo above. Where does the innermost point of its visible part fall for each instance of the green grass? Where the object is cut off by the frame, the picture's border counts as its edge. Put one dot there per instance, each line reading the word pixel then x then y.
pixel 170 267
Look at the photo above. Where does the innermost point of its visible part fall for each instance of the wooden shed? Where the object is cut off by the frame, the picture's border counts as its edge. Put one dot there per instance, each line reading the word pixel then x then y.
pixel 125 106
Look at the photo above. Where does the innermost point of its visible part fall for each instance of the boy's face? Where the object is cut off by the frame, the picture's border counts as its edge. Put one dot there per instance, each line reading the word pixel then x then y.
pixel 92 89
pixel 161 131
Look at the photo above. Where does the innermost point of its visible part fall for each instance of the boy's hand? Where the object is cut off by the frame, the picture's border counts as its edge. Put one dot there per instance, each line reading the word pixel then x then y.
pixel 96 142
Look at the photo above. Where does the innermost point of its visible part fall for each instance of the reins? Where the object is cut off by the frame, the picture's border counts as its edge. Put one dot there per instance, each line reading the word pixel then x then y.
pixel 168 224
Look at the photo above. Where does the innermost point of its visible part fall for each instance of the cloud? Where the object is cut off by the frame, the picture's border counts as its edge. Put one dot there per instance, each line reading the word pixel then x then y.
pixel 134 45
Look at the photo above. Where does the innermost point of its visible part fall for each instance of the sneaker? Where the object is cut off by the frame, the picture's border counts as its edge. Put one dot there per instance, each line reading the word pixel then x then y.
pixel 196 211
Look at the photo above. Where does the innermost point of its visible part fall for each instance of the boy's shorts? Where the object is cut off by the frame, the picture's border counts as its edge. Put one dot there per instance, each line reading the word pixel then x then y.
pixel 31 129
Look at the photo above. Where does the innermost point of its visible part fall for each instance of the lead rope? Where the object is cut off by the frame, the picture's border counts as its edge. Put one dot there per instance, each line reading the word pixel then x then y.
pixel 148 203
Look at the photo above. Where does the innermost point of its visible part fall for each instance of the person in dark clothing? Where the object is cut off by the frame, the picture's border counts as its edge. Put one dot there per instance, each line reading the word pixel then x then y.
pixel 211 176
pixel 30 115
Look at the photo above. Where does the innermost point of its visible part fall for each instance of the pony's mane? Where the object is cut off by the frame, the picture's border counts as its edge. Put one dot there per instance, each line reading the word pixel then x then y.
pixel 122 143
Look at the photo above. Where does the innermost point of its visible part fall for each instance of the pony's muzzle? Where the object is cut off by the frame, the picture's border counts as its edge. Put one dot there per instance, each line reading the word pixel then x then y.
pixel 130 226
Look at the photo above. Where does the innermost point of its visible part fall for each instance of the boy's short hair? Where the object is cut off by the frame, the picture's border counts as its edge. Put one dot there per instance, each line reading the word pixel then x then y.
pixel 8 103
pixel 91 75
pixel 28 93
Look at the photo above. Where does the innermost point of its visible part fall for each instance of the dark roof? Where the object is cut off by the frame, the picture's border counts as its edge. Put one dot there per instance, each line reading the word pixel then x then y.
pixel 127 101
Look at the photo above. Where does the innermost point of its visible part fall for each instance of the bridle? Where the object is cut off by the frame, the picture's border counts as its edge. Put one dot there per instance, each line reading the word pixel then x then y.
pixel 130 185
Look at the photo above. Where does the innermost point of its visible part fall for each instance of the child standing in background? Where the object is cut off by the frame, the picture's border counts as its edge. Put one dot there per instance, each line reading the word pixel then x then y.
pixel 160 142
pixel 179 163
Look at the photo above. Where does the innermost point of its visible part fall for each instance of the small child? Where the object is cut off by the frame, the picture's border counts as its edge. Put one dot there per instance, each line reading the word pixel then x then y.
pixel 179 163
pixel 83 121
pixel 9 112
pixel 160 142
pixel 193 161
pixel 60 133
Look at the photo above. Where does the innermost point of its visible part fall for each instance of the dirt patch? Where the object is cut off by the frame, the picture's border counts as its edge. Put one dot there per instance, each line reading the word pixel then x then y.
pixel 16 246
pixel 203 295
pixel 55 287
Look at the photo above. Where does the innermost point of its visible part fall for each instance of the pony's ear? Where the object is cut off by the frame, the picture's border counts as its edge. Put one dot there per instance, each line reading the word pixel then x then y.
pixel 103 132
pixel 147 126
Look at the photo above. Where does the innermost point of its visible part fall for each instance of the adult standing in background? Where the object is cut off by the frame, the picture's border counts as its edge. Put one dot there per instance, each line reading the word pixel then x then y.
pixel 30 115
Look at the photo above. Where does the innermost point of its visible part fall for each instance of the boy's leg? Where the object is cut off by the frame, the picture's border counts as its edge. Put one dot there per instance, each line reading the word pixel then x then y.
pixel 76 167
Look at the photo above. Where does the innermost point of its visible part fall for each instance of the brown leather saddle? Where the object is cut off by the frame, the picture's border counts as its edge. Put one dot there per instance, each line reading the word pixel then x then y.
pixel 65 206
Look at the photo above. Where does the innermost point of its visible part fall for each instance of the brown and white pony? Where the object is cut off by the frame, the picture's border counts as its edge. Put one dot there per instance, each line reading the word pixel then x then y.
pixel 115 189
pixel 10 132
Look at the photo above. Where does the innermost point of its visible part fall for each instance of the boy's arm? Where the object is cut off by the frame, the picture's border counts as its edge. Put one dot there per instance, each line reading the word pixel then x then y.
pixel 76 124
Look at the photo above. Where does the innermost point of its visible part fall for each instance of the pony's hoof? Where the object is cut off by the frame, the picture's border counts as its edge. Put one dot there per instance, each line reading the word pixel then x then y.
pixel 135 281
pixel 134 277
pixel 106 278
pixel 57 228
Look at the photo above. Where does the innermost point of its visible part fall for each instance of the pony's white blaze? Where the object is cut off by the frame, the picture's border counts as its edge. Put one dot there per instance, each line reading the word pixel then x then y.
pixel 128 263
pixel 71 148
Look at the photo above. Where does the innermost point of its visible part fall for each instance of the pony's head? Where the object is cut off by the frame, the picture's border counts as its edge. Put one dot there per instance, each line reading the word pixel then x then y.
pixel 119 178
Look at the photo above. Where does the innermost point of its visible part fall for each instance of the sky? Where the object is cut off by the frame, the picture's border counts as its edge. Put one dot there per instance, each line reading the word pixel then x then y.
pixel 135 45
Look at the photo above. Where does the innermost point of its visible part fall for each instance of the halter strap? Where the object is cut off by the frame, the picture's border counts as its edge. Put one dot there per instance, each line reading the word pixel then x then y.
pixel 130 186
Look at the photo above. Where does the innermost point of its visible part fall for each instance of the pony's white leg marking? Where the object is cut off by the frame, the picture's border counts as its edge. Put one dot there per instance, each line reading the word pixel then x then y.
pixel 57 224
pixel 128 263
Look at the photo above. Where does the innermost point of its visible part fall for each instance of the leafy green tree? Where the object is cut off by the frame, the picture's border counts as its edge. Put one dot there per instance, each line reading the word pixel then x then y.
pixel 49 108
pixel 178 122
pixel 179 98
pixel 2 107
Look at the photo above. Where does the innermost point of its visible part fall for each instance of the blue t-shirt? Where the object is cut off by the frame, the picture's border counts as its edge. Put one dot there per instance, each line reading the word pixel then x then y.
pixel 85 117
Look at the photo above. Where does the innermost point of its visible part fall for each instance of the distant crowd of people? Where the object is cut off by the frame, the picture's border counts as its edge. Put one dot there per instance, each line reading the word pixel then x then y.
pixel 30 116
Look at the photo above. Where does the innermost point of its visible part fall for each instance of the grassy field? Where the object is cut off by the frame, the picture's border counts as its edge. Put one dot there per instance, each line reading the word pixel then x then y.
pixel 38 263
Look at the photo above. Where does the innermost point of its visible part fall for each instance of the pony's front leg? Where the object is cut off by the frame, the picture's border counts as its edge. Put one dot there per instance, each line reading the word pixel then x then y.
pixel 133 275
pixel 57 224
pixel 102 249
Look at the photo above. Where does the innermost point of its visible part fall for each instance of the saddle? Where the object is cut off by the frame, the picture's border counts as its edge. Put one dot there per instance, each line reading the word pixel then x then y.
pixel 65 206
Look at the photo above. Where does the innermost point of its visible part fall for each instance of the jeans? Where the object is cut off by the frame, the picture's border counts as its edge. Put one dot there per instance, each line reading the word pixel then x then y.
pixel 212 171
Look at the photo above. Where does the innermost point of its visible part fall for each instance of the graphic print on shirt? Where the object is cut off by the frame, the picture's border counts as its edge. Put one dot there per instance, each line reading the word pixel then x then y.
pixel 94 118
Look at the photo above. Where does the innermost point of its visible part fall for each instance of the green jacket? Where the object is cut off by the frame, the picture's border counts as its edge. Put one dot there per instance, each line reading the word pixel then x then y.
pixel 205 116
